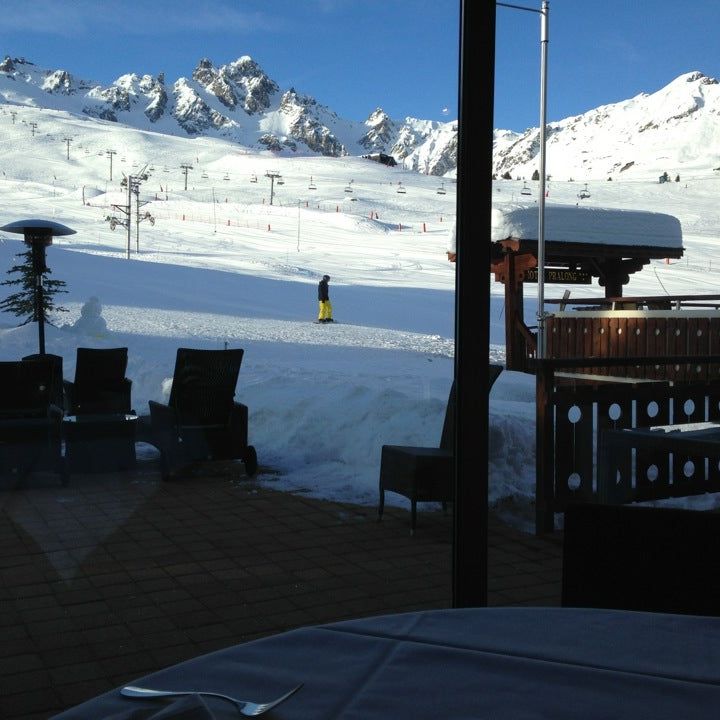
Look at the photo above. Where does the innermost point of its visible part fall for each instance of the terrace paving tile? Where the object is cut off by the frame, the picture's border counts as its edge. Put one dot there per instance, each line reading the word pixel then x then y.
pixel 118 575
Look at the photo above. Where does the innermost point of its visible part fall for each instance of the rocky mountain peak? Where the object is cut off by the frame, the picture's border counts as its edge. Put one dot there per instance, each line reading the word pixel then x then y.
pixel 701 77
pixel 381 132
pixel 204 73
pixel 237 101
pixel 7 65
pixel 58 81
pixel 244 67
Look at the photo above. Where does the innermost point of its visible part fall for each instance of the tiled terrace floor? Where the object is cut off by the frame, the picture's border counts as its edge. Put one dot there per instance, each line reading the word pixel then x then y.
pixel 116 576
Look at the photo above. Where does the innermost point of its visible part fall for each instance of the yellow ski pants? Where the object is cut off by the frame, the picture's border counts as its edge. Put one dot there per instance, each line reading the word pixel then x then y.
pixel 325 310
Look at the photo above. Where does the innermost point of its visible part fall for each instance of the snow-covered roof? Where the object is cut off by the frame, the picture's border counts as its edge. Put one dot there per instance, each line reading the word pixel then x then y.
pixel 603 226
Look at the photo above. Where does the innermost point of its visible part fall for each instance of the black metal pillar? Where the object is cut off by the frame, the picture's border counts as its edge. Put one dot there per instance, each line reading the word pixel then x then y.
pixel 472 301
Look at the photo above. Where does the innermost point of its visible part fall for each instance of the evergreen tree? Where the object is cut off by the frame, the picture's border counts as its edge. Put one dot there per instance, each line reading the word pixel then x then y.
pixel 506 175
pixel 22 303
pixel 536 175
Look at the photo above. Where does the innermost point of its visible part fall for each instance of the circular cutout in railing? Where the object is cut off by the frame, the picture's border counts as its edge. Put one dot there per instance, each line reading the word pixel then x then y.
pixel 652 473
pixel 653 409
pixel 574 481
pixel 689 407
pixel 614 412
pixel 689 469
pixel 574 414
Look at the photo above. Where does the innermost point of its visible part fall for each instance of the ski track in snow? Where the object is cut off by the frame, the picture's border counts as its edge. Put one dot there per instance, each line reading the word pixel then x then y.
pixel 170 323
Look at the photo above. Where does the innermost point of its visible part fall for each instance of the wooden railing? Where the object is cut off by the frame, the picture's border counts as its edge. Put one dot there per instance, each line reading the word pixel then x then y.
pixel 639 334
pixel 577 398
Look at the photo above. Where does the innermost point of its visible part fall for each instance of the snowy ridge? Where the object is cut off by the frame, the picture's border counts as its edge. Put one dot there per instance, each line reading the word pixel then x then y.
pixel 673 130
pixel 238 102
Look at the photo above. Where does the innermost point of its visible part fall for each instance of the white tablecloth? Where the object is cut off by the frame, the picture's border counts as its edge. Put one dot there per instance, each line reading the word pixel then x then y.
pixel 513 663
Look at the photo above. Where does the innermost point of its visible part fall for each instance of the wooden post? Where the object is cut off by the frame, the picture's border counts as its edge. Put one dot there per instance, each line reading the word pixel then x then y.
pixel 544 448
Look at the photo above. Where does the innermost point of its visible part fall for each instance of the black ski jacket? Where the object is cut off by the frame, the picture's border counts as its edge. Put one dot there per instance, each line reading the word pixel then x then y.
pixel 323 293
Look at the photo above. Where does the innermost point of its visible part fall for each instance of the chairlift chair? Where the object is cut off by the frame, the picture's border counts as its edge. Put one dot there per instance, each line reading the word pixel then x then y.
pixel 583 194
pixel 441 189
pixel 253 178
pixel 348 187
pixel 204 175
pixel 525 190
pixel 401 188
pixel 226 176
pixel 312 185
pixel 280 181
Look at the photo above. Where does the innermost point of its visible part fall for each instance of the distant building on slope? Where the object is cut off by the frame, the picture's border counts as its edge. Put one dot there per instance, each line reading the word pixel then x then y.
pixel 382 158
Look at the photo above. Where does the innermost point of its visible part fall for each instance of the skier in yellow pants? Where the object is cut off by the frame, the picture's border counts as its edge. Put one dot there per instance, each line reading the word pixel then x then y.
pixel 325 307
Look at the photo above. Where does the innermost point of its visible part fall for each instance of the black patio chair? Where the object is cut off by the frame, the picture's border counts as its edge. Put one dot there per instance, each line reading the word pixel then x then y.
pixel 30 419
pixel 202 421
pixel 100 386
pixel 641 558
pixel 57 397
pixel 423 474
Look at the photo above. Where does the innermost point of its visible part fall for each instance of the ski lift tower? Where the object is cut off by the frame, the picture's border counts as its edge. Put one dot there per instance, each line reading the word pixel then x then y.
pixel 132 184
pixel 273 175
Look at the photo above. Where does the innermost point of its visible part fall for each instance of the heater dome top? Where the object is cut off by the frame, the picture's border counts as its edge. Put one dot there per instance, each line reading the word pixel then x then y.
pixel 35 224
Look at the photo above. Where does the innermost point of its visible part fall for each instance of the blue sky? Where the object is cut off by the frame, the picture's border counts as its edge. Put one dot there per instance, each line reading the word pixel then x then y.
pixel 354 55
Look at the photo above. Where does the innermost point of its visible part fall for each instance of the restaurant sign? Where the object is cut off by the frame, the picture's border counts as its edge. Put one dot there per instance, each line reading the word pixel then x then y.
pixel 560 275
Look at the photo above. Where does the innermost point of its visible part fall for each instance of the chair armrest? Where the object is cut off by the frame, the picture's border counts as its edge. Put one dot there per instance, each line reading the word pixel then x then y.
pixel 239 422
pixel 68 395
pixel 55 412
pixel 162 415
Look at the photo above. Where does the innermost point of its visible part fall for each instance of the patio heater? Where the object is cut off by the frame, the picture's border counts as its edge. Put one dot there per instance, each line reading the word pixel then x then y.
pixel 38 234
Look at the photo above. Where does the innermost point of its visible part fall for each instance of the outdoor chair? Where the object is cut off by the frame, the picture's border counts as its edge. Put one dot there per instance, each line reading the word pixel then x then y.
pixel 100 386
pixel 57 397
pixel 423 474
pixel 30 419
pixel 201 420
pixel 641 558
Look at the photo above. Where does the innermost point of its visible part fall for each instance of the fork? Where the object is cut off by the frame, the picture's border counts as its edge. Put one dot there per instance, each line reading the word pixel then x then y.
pixel 246 707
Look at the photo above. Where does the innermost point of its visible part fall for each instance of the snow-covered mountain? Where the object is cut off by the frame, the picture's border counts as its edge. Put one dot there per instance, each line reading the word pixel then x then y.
pixel 237 102
pixel 674 130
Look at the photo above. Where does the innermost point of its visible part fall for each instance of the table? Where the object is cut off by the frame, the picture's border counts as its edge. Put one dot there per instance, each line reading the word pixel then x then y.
pixel 514 663
pixel 694 441
pixel 99 443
